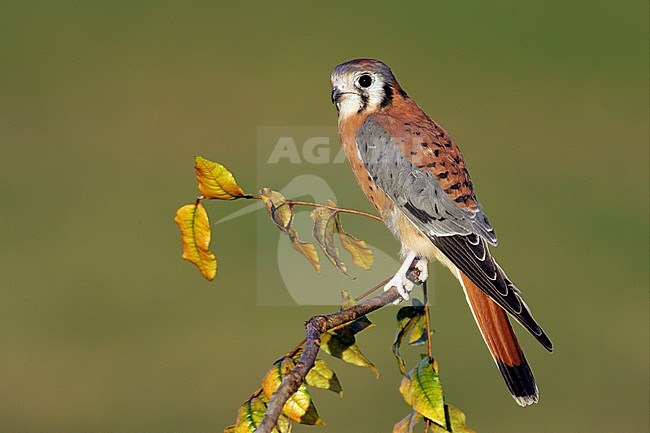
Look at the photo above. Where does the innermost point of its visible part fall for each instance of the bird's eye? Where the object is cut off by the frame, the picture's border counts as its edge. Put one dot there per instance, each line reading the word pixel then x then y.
pixel 365 80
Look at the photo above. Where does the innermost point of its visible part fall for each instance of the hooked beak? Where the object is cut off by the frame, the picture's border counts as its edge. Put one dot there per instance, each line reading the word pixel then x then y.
pixel 336 94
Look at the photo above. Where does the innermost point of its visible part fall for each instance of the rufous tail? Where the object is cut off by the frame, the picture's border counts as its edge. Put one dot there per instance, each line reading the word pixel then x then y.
pixel 502 342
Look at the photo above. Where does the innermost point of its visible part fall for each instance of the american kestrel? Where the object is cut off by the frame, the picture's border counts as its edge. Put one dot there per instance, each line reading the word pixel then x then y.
pixel 414 174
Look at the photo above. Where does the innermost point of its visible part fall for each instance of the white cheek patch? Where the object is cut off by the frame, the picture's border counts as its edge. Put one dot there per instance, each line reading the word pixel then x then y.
pixel 348 106
pixel 375 96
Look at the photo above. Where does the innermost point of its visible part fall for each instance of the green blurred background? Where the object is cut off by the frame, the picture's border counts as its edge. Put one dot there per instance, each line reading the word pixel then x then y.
pixel 104 104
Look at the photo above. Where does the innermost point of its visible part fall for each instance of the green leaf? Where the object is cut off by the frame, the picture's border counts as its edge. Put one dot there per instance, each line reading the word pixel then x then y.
pixel 422 390
pixel 358 324
pixel 299 407
pixel 345 348
pixel 323 377
pixel 323 232
pixel 408 423
pixel 409 319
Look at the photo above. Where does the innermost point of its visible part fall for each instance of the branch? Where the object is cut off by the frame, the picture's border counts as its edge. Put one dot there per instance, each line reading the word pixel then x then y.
pixel 316 326
pixel 368 292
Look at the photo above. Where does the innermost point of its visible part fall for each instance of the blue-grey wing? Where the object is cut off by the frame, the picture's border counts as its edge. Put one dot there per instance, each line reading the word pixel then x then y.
pixel 416 191
pixel 460 233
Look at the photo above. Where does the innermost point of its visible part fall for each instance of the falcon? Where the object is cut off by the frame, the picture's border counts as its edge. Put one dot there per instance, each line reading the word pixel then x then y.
pixel 415 176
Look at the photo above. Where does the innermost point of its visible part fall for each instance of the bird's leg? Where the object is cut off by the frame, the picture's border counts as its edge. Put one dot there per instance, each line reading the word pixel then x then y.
pixel 413 271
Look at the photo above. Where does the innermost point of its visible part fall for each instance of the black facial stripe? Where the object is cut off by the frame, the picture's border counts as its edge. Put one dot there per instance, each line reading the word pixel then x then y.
pixel 364 102
pixel 388 95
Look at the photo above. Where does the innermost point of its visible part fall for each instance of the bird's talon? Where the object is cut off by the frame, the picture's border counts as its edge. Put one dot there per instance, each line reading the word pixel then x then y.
pixel 403 286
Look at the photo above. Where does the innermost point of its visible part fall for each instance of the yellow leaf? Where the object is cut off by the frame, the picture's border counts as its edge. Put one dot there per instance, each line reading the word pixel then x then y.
pixel 361 255
pixel 455 416
pixel 357 325
pixel 282 216
pixel 419 334
pixel 193 221
pixel 250 416
pixel 299 407
pixel 215 181
pixel 457 419
pixel 345 348
pixel 409 319
pixel 323 232
pixel 284 424
pixel 305 248
pixel 281 213
pixel 274 376
pixel 321 376
pixel 348 301
pixel 422 390
pixel 408 423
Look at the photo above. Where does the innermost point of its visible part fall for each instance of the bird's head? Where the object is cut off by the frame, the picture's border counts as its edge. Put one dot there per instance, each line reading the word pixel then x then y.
pixel 363 86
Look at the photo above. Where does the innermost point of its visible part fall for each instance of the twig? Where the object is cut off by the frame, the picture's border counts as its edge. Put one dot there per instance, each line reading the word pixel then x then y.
pixel 334 208
pixel 372 290
pixel 427 421
pixel 316 326
pixel 295 349
pixel 428 323
pixel 368 292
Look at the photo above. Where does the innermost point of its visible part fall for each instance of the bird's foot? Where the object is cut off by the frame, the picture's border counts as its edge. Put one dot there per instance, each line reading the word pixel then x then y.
pixel 404 287
pixel 419 271
pixel 413 271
